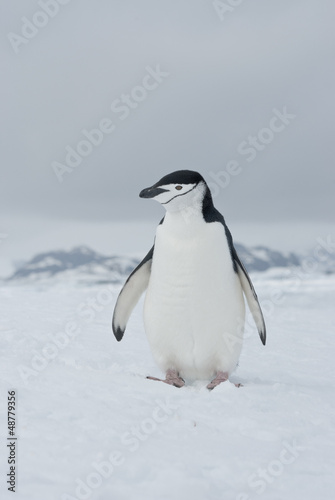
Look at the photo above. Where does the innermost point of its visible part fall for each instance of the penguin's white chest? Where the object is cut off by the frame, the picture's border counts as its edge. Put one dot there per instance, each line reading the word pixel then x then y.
pixel 194 306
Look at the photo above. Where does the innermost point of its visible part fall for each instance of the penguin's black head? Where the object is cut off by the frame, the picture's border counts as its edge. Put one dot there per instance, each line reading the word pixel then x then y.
pixel 177 190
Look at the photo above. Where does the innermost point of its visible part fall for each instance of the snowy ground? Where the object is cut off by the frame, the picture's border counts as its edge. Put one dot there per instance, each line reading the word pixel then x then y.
pixel 90 425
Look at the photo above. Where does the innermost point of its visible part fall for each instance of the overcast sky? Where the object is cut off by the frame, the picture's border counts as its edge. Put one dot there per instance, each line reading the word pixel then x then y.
pixel 244 95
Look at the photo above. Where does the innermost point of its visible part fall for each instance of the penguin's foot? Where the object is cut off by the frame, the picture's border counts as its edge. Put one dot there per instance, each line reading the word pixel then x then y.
pixel 220 377
pixel 172 378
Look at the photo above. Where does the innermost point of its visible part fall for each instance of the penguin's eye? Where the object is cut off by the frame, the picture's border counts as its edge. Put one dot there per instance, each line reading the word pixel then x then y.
pixel 178 188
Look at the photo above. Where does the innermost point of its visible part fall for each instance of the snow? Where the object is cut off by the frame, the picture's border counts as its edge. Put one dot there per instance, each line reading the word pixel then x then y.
pixel 48 261
pixel 90 408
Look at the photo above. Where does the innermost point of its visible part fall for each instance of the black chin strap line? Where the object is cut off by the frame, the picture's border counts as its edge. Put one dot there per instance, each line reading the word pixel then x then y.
pixel 177 195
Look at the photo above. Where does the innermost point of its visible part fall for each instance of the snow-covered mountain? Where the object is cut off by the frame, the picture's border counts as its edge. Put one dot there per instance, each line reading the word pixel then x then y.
pixel 85 265
pixel 81 263
pixel 261 258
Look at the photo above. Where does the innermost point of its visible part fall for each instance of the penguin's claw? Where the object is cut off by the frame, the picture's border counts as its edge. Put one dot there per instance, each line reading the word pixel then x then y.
pixel 172 378
pixel 220 377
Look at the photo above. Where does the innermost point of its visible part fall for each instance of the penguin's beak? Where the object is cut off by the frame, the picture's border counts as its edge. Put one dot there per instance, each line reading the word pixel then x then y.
pixel 151 192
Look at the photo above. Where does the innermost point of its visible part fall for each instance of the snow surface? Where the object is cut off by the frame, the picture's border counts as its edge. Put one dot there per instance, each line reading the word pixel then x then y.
pixel 92 404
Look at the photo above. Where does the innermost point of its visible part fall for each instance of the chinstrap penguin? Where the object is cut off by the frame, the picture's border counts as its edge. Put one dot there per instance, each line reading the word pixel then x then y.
pixel 194 310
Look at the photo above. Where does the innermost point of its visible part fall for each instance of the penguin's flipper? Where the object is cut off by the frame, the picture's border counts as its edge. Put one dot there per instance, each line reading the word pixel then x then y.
pixel 251 297
pixel 130 294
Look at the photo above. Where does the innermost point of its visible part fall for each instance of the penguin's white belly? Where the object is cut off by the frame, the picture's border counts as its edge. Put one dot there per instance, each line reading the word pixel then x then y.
pixel 194 308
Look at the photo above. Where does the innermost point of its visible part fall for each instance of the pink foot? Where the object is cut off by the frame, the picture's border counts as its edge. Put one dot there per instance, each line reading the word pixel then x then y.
pixel 220 377
pixel 172 378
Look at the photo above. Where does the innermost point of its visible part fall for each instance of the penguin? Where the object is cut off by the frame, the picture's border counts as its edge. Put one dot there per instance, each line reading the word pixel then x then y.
pixel 194 309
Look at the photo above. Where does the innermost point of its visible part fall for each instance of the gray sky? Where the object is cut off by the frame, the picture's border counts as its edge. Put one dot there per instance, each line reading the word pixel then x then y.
pixel 253 85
